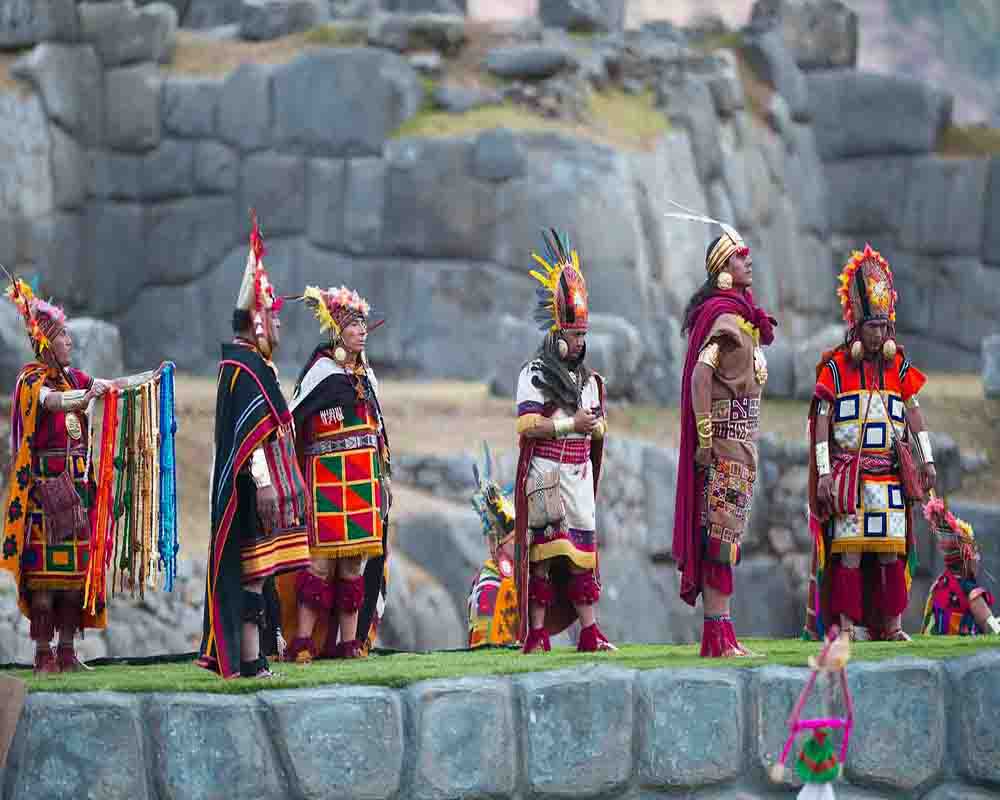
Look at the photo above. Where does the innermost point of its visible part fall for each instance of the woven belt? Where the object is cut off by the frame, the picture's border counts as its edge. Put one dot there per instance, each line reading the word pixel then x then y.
pixel 567 451
pixel 359 441
pixel 736 419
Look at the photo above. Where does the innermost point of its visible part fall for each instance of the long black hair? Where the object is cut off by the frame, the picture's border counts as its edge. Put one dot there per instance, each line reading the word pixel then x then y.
pixel 555 378
pixel 706 290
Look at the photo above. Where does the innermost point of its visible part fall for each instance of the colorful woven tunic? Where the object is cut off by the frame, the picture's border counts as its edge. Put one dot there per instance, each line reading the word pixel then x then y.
pixel 493 605
pixel 250 413
pixel 577 537
pixel 868 409
pixel 44 443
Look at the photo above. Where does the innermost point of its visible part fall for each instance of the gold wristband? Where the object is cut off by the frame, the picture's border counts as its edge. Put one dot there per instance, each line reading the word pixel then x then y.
pixel 703 424
pixel 709 355
pixel 823 458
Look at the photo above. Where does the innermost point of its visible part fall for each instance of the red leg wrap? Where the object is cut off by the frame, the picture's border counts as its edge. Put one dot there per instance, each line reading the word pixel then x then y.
pixel 45 661
pixel 66 658
pixel 714 638
pixel 584 590
pixel 43 625
pixel 846 593
pixel 349 593
pixel 314 592
pixel 350 649
pixel 301 650
pixel 538 639
pixel 890 591
pixel 592 640
pixel 540 591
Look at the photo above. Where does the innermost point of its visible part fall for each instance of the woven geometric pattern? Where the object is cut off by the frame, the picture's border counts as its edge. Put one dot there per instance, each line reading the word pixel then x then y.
pixel 347 499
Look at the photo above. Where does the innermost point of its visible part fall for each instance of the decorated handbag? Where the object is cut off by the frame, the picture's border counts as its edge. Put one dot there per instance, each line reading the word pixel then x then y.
pixel 545 503
pixel 65 516
pixel 909 477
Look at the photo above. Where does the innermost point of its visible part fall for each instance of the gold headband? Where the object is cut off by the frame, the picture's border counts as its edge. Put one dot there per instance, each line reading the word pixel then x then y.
pixel 729 244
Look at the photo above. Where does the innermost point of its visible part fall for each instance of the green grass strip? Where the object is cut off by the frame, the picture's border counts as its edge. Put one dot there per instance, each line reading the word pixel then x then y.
pixel 402 669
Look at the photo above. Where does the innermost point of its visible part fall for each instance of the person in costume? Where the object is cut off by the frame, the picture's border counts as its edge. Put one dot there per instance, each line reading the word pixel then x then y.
pixel 862 417
pixel 724 375
pixel 343 448
pixel 561 423
pixel 493 598
pixel 46 540
pixel 257 491
pixel 957 605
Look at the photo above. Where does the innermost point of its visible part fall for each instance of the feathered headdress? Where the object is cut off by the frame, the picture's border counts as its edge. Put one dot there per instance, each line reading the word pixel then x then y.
pixel 562 296
pixel 42 321
pixel 256 292
pixel 335 308
pixel 494 505
pixel 955 538
pixel 866 288
pixel 729 244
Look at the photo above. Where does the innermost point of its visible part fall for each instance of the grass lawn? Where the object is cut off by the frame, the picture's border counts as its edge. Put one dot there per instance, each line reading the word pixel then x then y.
pixel 401 669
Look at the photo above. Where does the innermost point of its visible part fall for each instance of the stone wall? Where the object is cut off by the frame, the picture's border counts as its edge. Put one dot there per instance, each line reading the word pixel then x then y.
pixel 923 730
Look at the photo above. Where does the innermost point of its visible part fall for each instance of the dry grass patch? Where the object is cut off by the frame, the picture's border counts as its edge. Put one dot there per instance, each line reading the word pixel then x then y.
pixel 969 141
pixel 7 81
pixel 200 55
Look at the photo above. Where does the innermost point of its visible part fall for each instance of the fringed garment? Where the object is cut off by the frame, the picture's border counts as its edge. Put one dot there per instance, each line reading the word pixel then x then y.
pixel 493 606
pixel 250 412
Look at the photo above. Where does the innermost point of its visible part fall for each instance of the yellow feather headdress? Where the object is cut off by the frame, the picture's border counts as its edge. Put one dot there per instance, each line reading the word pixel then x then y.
pixel 562 296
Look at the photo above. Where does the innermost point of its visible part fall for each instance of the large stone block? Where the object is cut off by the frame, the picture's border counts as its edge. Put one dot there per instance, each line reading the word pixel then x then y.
pixel 750 190
pixel 819 34
pixel 868 195
pixel 781 616
pixel 189 105
pixel 15 351
pixel 184 238
pixel 807 355
pixel 326 201
pixel 991 366
pixel 466 745
pixel 774 64
pixel 122 34
pixel 24 23
pixel 687 101
pixel 261 20
pixel 991 231
pixel 69 179
pixel 216 167
pixel 276 186
pixel 54 246
pixel 97 347
pixel 443 33
pixel 26 162
pixel 211 13
pixel 596 703
pixel 244 115
pixel 115 176
pixel 68 77
pixel 210 746
pixel 450 529
pixel 423 615
pixel 583 16
pixel 132 108
pixel 364 205
pixel 863 114
pixel 115 245
pixel 914 755
pixel 329 735
pixel 659 470
pixel 958 791
pixel 168 171
pixel 807 183
pixel 421 220
pixel 343 102
pixel 691 726
pixel 943 212
pixel 531 62
pixel 90 727
pixel 497 156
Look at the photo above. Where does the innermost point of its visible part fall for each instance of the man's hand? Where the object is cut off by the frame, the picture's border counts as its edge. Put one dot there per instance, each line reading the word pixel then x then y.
pixel 584 421
pixel 267 507
pixel 824 496
pixel 928 475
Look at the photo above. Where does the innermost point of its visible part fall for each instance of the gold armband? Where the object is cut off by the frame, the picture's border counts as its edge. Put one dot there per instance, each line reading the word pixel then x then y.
pixel 924 438
pixel 912 402
pixel 703 425
pixel 564 426
pixel 526 422
pixel 710 355
pixel 601 429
